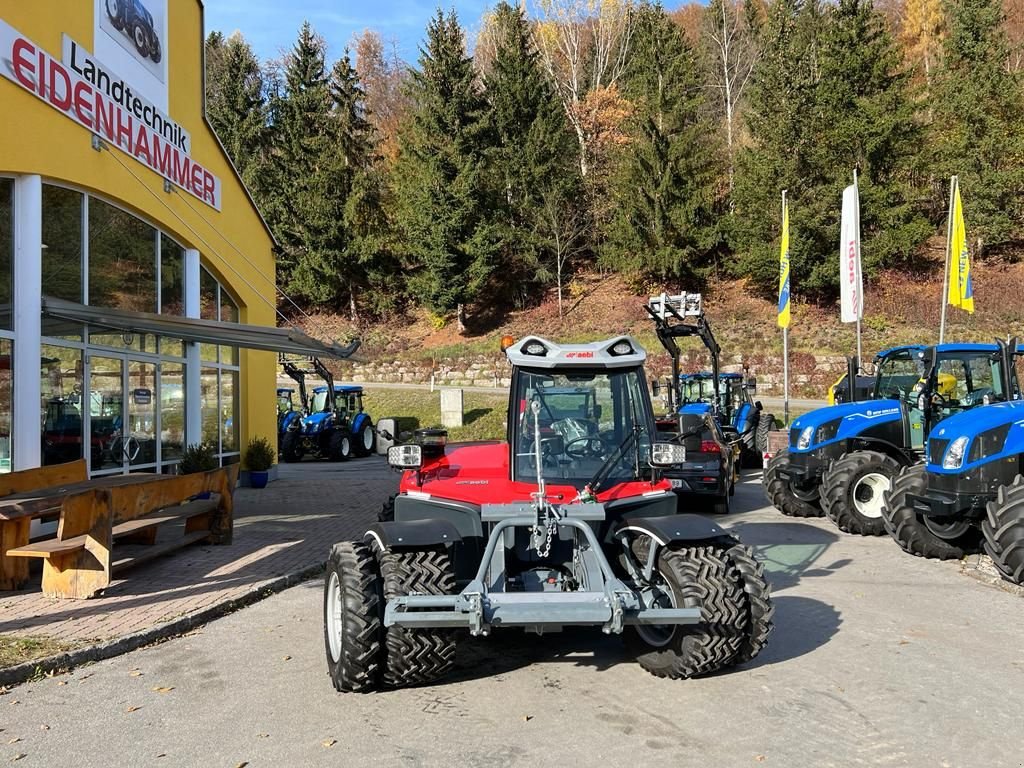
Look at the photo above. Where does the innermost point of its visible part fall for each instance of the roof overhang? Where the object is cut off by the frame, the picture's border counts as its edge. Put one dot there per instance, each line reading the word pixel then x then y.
pixel 286 340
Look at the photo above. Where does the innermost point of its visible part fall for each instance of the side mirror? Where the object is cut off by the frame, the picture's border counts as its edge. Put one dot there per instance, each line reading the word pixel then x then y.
pixel 667 454
pixel 655 388
pixel 751 385
pixel 405 456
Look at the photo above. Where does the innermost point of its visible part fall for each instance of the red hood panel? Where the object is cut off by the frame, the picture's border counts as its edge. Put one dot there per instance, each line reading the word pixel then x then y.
pixel 478 474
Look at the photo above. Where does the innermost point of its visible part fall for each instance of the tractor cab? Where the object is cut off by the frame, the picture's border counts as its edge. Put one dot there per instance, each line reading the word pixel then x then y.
pixel 286 410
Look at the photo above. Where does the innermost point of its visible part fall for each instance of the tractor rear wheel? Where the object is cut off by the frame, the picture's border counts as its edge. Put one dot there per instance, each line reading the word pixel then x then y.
pixel 795 502
pixel 1003 528
pixel 911 531
pixel 414 656
pixel 702 577
pixel 765 422
pixel 387 510
pixel 352 610
pixel 339 447
pixel 852 491
pixel 291 446
pixel 366 440
pixel 759 602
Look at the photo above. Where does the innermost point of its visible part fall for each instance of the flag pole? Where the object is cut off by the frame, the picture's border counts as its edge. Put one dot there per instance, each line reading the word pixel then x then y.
pixel 785 348
pixel 945 273
pixel 860 307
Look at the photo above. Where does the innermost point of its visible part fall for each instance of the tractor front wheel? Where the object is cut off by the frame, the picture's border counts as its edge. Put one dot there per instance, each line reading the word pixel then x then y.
pixel 911 530
pixel 415 656
pixel 352 611
pixel 366 440
pixel 1003 528
pixel 852 491
pixel 765 422
pixel 789 500
pixel 702 577
pixel 339 447
pixel 291 446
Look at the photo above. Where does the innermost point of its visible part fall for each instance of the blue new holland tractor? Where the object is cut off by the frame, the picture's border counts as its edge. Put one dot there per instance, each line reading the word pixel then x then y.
pixel 334 426
pixel 842 459
pixel 969 491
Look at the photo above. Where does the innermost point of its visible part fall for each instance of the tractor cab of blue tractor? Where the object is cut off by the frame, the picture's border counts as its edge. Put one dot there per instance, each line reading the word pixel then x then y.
pixel 286 410
pixel 842 459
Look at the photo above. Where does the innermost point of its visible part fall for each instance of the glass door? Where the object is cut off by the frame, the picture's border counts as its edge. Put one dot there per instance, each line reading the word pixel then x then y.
pixel 106 414
pixel 123 401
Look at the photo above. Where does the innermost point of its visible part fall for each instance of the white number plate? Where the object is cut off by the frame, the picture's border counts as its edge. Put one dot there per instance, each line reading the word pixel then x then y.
pixel 676 483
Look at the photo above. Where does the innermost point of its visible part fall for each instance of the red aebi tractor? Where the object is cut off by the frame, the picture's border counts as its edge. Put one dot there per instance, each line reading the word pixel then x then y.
pixel 567 523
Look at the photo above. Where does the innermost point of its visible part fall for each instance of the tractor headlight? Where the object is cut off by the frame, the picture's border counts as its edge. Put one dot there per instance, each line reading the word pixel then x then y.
pixel 405 456
pixel 804 441
pixel 954 457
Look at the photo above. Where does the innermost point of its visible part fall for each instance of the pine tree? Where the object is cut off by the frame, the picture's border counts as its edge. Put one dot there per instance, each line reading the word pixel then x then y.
pixel 829 98
pixel 531 160
pixel 664 188
pixel 236 103
pixel 977 126
pixel 439 177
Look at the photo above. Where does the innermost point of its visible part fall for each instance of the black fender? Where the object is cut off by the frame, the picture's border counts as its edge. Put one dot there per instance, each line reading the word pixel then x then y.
pixel 672 529
pixel 413 534
pixel 900 454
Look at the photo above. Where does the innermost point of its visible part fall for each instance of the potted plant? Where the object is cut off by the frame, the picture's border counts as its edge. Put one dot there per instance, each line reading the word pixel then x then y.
pixel 259 456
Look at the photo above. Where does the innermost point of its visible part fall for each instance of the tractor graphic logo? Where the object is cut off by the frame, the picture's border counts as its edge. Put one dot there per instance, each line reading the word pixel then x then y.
pixel 133 19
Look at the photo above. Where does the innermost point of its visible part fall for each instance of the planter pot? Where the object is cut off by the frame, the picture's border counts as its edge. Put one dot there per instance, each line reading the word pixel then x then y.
pixel 258 479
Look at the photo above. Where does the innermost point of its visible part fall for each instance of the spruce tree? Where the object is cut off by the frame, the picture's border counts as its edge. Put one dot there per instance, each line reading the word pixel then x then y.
pixel 236 103
pixel 977 121
pixel 439 177
pixel 531 159
pixel 664 187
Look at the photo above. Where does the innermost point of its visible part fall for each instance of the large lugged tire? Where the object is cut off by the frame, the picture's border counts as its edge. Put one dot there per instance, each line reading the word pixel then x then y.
pixel 387 510
pixel 909 528
pixel 414 656
pixel 695 577
pixel 852 491
pixel 759 602
pixel 340 446
pixel 366 441
pixel 782 495
pixel 765 422
pixel 1003 528
pixel 291 446
pixel 352 610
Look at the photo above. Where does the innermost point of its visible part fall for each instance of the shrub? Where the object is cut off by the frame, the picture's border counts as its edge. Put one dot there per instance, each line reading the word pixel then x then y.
pixel 198 457
pixel 259 455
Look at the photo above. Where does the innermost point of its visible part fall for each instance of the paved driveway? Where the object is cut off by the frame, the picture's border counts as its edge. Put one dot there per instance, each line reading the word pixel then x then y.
pixel 878 658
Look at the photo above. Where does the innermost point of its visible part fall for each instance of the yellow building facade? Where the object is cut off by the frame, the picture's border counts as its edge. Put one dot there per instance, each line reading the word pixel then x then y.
pixel 121 214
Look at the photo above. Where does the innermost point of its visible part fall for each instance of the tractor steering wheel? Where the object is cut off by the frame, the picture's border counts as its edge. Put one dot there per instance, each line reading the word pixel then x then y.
pixel 586 447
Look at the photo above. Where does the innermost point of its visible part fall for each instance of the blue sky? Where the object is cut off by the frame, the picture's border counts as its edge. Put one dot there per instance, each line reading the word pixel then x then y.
pixel 271 26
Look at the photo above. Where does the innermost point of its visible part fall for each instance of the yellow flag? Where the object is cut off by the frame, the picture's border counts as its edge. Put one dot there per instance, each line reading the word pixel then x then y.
pixel 784 268
pixel 961 292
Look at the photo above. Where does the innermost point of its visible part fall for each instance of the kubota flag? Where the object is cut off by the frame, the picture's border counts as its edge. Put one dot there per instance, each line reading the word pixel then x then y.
pixel 961 292
pixel 851 286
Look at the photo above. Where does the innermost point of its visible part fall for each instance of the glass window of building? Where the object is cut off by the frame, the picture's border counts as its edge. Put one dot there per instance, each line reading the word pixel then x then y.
pixel 6 409
pixel 172 268
pixel 62 404
pixel 122 259
pixel 62 243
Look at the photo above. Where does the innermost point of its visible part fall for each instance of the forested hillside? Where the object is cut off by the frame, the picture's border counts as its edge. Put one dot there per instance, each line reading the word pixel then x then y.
pixel 651 145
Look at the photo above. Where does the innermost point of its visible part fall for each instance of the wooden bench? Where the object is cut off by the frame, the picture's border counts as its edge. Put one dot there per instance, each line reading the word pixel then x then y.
pixel 108 524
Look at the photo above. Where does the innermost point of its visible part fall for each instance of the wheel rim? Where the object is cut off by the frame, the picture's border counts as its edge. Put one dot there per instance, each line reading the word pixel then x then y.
pixel 140 38
pixel 947 531
pixel 345 446
pixel 659 635
pixel 112 8
pixel 367 438
pixel 867 495
pixel 333 618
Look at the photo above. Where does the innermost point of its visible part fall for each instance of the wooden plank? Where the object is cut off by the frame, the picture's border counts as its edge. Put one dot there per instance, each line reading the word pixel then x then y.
pixel 85 572
pixel 13 571
pixel 129 556
pixel 43 477
pixel 37 502
pixel 49 547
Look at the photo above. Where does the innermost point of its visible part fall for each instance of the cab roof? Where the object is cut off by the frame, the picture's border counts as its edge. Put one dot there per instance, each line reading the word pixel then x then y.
pixel 347 389
pixel 616 352
pixel 708 375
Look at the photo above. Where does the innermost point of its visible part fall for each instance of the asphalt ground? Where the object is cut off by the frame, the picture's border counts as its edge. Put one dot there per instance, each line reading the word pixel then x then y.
pixel 877 658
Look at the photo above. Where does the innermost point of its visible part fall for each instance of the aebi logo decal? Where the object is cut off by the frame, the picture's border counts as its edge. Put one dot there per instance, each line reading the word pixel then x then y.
pixel 106 106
